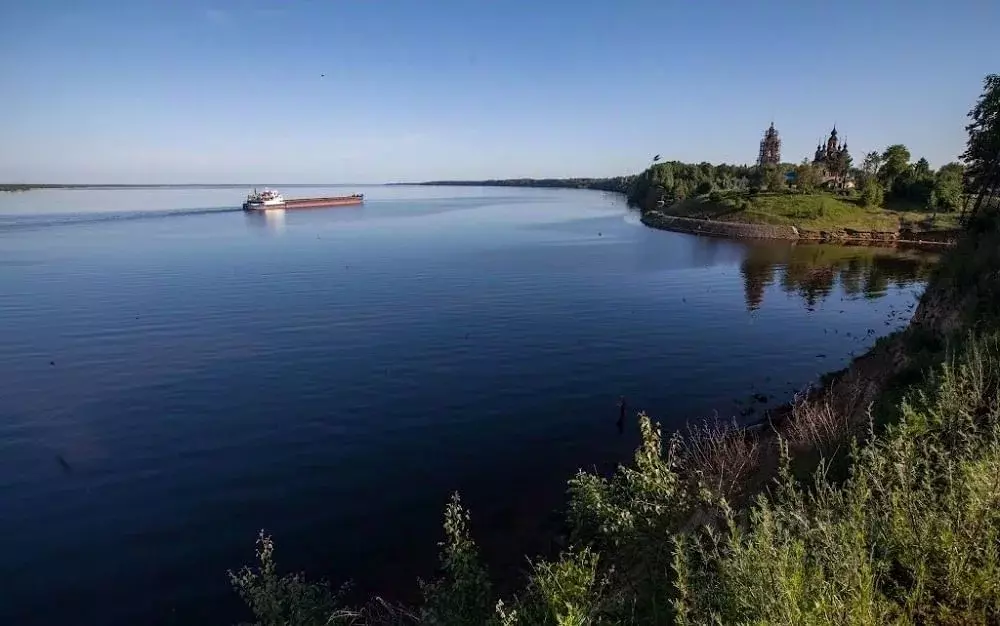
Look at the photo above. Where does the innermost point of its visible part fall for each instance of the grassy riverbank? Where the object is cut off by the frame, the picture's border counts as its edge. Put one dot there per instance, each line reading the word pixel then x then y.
pixel 815 211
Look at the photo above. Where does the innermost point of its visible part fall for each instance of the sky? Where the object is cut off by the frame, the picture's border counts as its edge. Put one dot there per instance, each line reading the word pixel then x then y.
pixel 369 91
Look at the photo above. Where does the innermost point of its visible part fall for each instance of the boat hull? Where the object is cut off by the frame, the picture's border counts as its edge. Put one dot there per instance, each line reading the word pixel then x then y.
pixel 306 203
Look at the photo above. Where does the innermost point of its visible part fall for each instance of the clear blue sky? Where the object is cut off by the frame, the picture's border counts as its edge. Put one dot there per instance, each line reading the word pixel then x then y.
pixel 181 91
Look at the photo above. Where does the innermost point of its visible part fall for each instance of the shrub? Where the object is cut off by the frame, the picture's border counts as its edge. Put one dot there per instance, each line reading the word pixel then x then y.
pixel 462 595
pixel 716 196
pixel 566 592
pixel 279 600
pixel 872 193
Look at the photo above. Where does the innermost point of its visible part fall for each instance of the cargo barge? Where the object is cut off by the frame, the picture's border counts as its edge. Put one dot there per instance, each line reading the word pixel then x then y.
pixel 270 199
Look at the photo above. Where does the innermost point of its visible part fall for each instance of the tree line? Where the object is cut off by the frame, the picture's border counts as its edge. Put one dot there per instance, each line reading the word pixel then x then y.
pixel 619 184
pixel 886 175
pixel 889 175
pixel 673 181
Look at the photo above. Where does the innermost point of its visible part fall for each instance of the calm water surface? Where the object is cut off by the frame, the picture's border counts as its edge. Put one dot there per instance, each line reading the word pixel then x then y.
pixel 177 375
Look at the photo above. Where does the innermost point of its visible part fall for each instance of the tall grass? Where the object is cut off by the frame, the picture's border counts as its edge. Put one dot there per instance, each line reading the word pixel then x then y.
pixel 913 535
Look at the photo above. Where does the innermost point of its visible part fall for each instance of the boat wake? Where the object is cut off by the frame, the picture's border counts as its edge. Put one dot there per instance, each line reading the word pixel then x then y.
pixel 28 221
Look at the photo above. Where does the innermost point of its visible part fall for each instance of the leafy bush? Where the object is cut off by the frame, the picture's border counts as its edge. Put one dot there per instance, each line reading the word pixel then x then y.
pixel 462 595
pixel 278 600
pixel 872 194
pixel 716 196
pixel 567 592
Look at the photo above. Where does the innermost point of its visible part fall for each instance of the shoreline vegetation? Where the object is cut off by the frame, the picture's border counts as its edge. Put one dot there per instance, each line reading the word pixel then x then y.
pixel 874 498
pixel 888 199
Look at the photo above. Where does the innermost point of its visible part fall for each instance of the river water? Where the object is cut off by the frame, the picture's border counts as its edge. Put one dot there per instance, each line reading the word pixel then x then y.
pixel 177 375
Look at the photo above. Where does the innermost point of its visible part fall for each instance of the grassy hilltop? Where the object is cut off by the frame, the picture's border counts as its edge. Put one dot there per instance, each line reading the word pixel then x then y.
pixel 875 500
pixel 888 193
pixel 808 211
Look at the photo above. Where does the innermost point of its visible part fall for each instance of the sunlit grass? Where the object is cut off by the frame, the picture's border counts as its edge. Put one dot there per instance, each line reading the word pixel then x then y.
pixel 818 211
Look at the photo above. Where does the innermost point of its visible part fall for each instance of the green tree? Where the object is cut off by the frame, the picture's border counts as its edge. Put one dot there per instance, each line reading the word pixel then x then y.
pixel 806 176
pixel 277 600
pixel 947 192
pixel 872 163
pixel 462 595
pixel 895 165
pixel 774 178
pixel 872 193
pixel 682 190
pixel 916 183
pixel 672 180
pixel 756 180
pixel 922 169
pixel 983 147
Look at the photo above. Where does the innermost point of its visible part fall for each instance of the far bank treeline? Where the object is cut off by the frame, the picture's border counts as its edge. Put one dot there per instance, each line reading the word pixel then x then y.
pixel 886 176
pixel 620 184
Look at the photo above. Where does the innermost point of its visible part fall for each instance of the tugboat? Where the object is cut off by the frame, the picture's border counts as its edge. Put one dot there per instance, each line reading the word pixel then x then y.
pixel 270 199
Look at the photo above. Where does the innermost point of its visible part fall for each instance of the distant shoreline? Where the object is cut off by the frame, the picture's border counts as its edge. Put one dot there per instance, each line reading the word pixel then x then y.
pixel 559 183
pixel 34 186
pixel 618 184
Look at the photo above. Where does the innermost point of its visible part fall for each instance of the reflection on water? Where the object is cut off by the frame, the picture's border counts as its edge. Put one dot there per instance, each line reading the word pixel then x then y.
pixel 813 270
pixel 272 220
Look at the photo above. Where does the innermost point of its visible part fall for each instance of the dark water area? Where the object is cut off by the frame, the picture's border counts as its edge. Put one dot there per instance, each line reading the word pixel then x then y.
pixel 177 375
